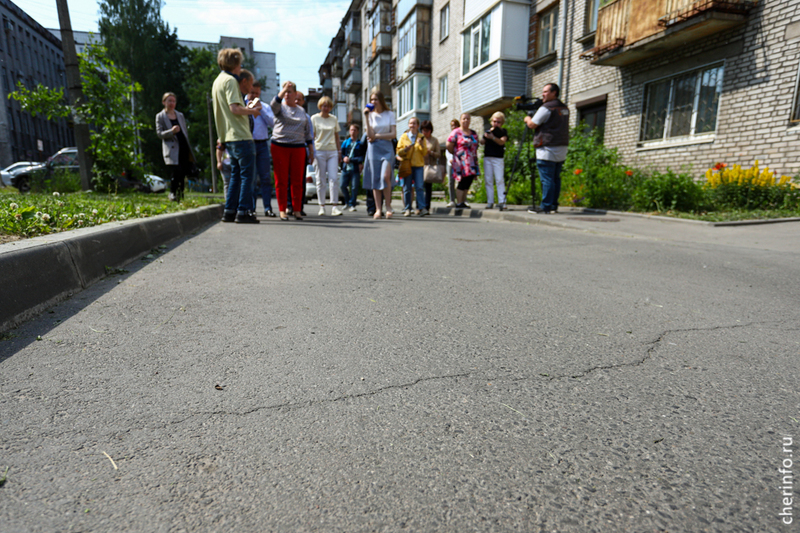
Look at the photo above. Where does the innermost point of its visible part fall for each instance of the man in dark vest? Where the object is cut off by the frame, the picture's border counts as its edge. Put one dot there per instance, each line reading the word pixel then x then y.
pixel 551 123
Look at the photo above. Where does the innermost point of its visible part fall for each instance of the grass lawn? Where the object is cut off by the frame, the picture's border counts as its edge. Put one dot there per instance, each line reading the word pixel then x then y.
pixel 732 215
pixel 30 215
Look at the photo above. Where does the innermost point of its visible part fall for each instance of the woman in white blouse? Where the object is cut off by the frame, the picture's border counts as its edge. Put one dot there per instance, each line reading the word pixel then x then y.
pixel 379 162
pixel 328 154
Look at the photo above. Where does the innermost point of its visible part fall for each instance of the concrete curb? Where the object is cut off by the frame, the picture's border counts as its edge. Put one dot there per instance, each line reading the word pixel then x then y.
pixel 520 214
pixel 38 273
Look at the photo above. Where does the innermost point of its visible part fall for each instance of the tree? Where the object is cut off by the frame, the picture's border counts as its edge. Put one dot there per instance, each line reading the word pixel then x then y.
pixel 108 90
pixel 200 68
pixel 140 41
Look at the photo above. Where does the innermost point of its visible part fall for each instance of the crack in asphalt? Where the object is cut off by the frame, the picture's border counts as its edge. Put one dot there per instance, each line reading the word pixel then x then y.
pixel 653 345
pixel 649 352
pixel 310 403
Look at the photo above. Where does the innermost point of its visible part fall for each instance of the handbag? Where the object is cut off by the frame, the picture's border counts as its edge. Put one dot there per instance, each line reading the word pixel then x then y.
pixel 404 169
pixel 434 173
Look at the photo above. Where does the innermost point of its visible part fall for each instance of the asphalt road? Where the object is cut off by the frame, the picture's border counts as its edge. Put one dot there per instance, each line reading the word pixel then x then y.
pixel 439 374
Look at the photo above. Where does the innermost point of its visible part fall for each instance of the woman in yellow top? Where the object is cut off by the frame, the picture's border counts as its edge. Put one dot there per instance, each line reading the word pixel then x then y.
pixel 327 154
pixel 412 145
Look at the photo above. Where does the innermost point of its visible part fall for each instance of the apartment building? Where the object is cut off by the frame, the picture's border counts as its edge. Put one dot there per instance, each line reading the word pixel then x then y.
pixel 670 83
pixel 30 54
pixel 677 83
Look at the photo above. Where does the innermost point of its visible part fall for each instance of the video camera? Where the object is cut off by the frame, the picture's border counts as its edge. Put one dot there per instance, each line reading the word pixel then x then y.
pixel 524 103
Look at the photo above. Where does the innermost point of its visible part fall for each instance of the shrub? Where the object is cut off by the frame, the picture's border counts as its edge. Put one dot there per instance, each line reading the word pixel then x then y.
pixel 669 192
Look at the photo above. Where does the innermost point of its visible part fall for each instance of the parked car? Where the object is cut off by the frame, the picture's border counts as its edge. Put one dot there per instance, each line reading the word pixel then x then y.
pixel 8 173
pixel 66 158
pixel 311 183
pixel 153 183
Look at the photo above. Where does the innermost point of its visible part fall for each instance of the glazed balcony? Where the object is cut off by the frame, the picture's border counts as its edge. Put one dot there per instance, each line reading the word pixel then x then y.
pixel 417 59
pixel 354 39
pixel 632 30
pixel 352 82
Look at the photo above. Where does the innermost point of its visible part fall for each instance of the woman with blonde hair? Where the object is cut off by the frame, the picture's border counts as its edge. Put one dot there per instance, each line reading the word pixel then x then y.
pixel 412 146
pixel 493 163
pixel 175 147
pixel 290 137
pixel 379 161
pixel 451 182
pixel 328 153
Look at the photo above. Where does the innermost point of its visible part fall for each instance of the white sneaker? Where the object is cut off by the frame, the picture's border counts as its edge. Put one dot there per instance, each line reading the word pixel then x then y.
pixel 352 208
pixel 335 212
pixel 407 213
pixel 321 212
pixel 450 204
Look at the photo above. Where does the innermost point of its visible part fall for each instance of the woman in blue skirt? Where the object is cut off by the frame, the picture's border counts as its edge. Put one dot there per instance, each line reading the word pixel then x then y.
pixel 379 161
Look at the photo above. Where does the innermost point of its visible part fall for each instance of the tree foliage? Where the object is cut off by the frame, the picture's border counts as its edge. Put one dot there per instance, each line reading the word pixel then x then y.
pixel 107 90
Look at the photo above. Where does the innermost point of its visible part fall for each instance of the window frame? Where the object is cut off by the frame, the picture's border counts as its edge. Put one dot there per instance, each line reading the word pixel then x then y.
pixel 443 91
pixel 444 22
pixel 693 135
pixel 794 116
pixel 474 42
pixel 551 13
pixel 592 15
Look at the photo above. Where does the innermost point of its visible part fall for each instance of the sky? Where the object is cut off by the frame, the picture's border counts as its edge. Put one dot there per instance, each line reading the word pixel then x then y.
pixel 298 33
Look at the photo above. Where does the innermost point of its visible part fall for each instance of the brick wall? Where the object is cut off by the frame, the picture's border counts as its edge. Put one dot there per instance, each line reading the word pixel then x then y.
pixel 760 74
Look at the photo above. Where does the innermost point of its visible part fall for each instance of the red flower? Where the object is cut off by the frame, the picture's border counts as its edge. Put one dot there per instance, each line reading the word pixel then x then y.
pixel 629 172
pixel 720 166
pixel 578 171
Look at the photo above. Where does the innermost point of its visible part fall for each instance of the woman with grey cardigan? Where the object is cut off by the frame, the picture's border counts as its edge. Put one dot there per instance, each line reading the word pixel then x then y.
pixel 178 156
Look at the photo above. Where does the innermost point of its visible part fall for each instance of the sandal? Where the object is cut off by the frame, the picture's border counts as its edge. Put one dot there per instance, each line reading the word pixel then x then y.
pixel 389 214
pixel 377 216
pixel 283 216
pixel 297 216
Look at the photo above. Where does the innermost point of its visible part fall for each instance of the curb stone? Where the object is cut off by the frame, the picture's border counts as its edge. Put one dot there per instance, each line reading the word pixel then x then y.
pixel 40 272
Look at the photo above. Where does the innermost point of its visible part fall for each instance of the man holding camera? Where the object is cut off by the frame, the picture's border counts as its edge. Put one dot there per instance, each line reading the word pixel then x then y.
pixel 551 123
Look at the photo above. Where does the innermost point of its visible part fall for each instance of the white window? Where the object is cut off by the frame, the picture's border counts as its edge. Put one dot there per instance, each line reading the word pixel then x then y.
pixel 414 95
pixel 443 91
pixel 407 35
pixel 546 32
pixel 405 98
pixel 444 22
pixel 682 106
pixel 476 44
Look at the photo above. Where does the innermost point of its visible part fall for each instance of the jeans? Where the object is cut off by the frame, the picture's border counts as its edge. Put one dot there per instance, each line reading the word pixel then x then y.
pixel 416 180
pixel 239 199
pixel 550 176
pixel 350 180
pixel 263 167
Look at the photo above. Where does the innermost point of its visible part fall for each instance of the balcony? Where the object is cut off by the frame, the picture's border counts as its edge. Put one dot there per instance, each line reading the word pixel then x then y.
pixel 632 30
pixel 354 39
pixel 352 82
pixel 354 116
pixel 381 43
pixel 336 68
pixel 418 58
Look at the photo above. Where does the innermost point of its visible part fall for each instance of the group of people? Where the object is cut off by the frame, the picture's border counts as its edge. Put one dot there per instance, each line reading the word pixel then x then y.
pixel 254 137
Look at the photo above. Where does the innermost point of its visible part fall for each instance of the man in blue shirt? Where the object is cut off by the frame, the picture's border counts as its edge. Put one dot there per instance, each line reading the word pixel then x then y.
pixel 353 162
pixel 262 131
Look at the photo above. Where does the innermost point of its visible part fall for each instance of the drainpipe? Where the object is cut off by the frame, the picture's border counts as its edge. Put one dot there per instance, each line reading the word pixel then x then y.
pixel 562 59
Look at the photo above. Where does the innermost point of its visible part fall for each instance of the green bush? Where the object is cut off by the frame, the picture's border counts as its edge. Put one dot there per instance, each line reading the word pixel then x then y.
pixel 669 192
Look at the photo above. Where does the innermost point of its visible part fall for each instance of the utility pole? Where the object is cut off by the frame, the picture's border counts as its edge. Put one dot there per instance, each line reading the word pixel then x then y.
pixel 75 91
pixel 212 145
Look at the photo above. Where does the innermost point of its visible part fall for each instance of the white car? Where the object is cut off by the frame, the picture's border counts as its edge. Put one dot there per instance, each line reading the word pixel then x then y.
pixel 311 183
pixel 8 173
pixel 154 183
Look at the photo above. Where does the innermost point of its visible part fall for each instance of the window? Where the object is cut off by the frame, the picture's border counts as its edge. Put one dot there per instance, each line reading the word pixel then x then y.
pixel 444 22
pixel 682 106
pixel 476 44
pixel 414 95
pixel 405 98
pixel 406 40
pixel 443 91
pixel 546 32
pixel 796 108
pixel 592 8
